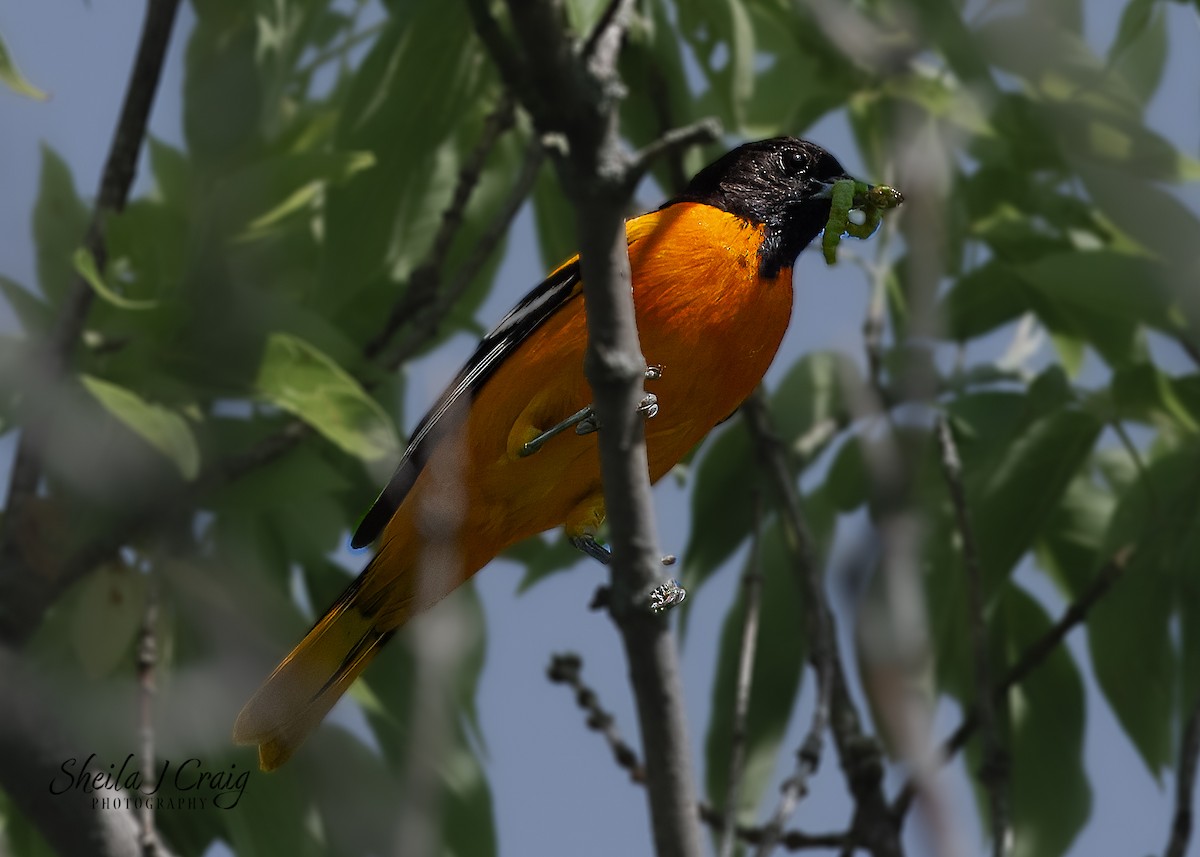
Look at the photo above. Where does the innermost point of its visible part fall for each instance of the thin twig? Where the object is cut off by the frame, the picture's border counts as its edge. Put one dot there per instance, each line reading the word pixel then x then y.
pixel 671 141
pixel 423 329
pixel 994 774
pixel 115 181
pixel 147 663
pixel 1185 785
pixel 424 282
pixel 752 587
pixel 1030 660
pixel 340 49
pixel 792 840
pixel 567 669
pixel 860 755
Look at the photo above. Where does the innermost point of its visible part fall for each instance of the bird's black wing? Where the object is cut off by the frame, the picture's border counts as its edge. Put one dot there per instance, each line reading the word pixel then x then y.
pixel 548 297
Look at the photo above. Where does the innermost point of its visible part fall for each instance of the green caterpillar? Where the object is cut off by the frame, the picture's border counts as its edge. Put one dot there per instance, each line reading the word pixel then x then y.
pixel 848 195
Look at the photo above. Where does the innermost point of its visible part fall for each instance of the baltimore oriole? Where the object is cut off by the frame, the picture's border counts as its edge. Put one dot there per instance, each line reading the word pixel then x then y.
pixel 712 287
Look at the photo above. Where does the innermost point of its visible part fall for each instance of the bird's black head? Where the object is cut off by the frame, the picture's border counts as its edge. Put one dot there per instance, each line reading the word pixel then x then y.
pixel 783 184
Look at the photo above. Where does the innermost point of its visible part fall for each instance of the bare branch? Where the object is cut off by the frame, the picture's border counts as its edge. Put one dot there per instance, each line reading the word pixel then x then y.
pixel 1185 785
pixel 752 586
pixel 994 774
pixel 423 283
pixel 1030 660
pixel 423 329
pixel 792 840
pixel 575 99
pixel 860 755
pixel 567 669
pixel 147 662
pixel 672 140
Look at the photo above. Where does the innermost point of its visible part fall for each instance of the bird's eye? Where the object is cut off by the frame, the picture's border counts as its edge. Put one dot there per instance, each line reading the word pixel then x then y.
pixel 795 162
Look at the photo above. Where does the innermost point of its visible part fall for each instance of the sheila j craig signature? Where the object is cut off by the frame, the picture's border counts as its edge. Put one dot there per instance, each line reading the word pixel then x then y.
pixel 187 785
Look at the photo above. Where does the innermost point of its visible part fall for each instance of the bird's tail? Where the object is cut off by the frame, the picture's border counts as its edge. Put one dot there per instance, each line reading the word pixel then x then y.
pixel 298 695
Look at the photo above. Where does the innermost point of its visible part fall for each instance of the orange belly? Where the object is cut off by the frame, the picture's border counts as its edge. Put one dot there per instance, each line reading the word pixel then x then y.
pixel 703 315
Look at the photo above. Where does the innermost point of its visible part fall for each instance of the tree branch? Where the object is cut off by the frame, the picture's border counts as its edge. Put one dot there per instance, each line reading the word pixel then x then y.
pixel 1030 660
pixel 567 669
pixel 752 586
pixel 994 774
pixel 574 97
pixel 424 282
pixel 1185 785
pixel 860 755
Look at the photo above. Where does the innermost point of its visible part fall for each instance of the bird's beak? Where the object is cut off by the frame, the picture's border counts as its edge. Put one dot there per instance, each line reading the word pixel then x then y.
pixel 826 188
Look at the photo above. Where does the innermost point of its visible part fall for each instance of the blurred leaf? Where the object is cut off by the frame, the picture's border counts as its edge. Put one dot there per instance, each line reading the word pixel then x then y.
pixel 1051 797
pixel 161 427
pixel 12 77
pixel 35 316
pixel 1139 50
pixel 85 265
pixel 1016 493
pixel 172 171
pixel 779 660
pixel 723 501
pixel 555 221
pixel 366 232
pixel 1069 545
pixel 982 300
pixel 108 616
pixel 303 381
pixel 847 486
pixel 222 90
pixel 542 556
pixel 813 394
pixel 278 187
pixel 1143 392
pixel 1129 637
pixel 1130 631
pixel 59 221
pixel 1100 295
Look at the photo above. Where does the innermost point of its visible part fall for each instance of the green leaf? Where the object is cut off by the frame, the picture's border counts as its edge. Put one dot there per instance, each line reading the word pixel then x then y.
pixel 13 78
pixel 35 316
pixel 555 220
pixel 779 660
pixel 1069 545
pixel 1129 636
pixel 723 499
pixel 1049 790
pixel 1143 392
pixel 161 427
pixel 1100 295
pixel 1026 484
pixel 85 265
pixel 1139 50
pixel 59 221
pixel 542 556
pixel 982 300
pixel 108 614
pixel 813 395
pixel 305 382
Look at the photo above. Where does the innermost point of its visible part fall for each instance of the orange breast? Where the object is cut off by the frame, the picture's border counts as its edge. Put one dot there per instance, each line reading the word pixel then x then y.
pixel 703 314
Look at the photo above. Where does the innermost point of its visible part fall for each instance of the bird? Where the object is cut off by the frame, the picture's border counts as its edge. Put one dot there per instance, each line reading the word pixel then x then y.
pixel 491 463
